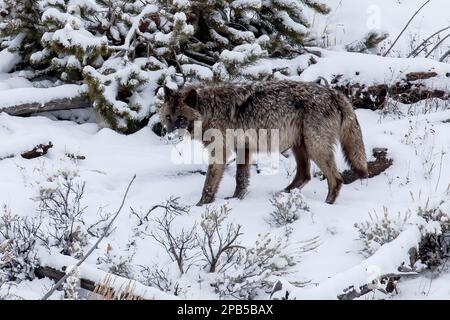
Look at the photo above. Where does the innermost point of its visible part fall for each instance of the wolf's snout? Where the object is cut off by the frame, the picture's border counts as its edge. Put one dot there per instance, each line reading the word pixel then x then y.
pixel 176 135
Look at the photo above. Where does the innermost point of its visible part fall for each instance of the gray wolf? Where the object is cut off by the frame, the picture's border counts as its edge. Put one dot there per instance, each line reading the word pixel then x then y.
pixel 309 117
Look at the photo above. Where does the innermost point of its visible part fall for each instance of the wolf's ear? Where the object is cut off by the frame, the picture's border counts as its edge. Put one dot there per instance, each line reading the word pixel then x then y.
pixel 167 92
pixel 191 99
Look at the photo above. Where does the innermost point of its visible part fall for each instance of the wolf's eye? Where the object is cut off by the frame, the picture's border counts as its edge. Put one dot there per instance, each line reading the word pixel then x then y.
pixel 168 117
pixel 181 118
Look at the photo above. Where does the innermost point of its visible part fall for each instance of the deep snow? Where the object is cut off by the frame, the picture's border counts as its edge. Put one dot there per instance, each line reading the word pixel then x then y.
pixel 112 159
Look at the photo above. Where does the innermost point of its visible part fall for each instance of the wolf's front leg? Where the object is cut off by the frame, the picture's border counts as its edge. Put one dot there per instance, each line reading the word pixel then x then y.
pixel 213 178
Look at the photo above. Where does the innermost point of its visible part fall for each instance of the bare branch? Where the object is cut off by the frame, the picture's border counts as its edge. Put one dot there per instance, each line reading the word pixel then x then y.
pixel 218 242
pixel 424 44
pixel 447 54
pixel 437 45
pixel 404 29
pixel 178 246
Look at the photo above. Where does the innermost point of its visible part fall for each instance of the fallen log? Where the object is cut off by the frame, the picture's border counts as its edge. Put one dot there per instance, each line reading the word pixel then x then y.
pixel 26 101
pixel 386 284
pixel 390 261
pixel 56 275
pixel 376 167
pixel 37 151
pixel 409 90
pixel 369 80
pixel 414 76
pixel 98 282
pixel 25 109
pixel 102 290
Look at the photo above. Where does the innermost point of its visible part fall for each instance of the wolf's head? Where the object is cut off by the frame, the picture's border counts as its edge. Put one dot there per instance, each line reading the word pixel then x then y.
pixel 180 110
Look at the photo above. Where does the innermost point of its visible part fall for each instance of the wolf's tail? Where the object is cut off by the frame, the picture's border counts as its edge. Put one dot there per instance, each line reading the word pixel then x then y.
pixel 351 137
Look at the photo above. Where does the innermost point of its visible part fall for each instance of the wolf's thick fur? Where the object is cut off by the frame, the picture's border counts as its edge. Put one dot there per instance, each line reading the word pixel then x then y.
pixel 310 118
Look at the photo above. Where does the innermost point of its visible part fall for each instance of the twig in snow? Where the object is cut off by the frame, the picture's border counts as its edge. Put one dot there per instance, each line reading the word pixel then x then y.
pixel 171 206
pixel 61 281
pixel 440 170
pixel 437 45
pixel 74 156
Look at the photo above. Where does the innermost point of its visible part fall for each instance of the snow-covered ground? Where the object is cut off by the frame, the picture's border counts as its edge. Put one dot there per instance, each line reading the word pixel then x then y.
pixel 112 159
pixel 417 137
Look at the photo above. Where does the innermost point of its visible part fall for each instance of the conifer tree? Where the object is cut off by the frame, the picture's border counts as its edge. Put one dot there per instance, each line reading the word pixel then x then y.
pixel 230 34
pixel 20 27
pixel 73 38
pixel 126 50
pixel 144 58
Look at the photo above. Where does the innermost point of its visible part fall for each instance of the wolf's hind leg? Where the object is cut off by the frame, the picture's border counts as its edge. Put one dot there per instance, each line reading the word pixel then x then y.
pixel 303 174
pixel 213 178
pixel 242 174
pixel 324 158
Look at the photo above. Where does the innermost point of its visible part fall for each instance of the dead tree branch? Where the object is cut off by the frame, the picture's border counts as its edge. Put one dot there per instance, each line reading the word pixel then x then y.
pixel 57 275
pixel 424 44
pixel 411 88
pixel 385 284
pixel 444 56
pixel 171 206
pixel 80 102
pixel 437 45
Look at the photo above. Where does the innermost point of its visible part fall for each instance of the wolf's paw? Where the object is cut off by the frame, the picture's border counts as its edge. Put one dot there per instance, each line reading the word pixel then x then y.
pixel 240 195
pixel 287 190
pixel 205 200
pixel 297 184
pixel 334 193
